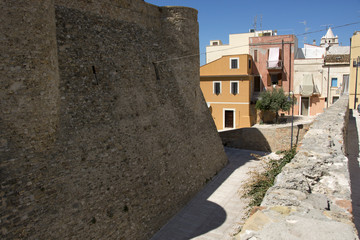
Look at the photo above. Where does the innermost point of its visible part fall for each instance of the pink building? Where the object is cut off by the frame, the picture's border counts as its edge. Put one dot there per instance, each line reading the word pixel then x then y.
pixel 274 61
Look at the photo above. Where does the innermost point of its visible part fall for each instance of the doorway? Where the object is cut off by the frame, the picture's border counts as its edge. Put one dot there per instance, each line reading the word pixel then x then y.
pixel 229 118
pixel 305 105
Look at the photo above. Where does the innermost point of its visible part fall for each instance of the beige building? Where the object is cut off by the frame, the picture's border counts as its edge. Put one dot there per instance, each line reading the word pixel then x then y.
pixel 321 75
pixel 309 85
pixel 336 72
pixel 238 44
pixel 227 85
pixel 354 71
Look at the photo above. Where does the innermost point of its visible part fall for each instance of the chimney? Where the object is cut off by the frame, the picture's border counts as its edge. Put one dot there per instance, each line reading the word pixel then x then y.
pixel 314 42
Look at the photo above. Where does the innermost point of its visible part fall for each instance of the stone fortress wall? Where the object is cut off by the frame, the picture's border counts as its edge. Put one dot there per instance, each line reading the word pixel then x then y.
pixel 100 138
pixel 311 197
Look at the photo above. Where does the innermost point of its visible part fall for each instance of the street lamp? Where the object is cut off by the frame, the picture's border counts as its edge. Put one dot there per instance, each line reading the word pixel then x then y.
pixel 292 118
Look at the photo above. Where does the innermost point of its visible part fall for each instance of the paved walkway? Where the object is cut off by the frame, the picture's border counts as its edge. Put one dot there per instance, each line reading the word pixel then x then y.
pixel 215 212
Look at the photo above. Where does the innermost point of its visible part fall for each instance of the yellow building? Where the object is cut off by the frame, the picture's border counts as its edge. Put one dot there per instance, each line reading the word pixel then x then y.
pixel 227 85
pixel 354 71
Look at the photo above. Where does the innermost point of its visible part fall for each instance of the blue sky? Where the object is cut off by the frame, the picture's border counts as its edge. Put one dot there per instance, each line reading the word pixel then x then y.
pixel 219 18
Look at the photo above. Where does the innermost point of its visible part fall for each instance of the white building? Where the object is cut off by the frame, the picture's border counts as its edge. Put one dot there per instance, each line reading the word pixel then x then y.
pixel 311 52
pixel 321 74
pixel 238 44
pixel 329 39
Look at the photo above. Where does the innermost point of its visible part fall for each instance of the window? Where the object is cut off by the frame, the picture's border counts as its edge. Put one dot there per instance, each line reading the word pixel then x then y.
pixel 335 98
pixel 234 87
pixel 257 84
pixel 345 84
pixel 333 82
pixel 234 63
pixel 249 63
pixel 255 55
pixel 275 79
pixel 215 43
pixel 217 88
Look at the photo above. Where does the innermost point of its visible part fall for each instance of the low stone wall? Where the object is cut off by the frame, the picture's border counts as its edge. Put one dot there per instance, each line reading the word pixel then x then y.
pixel 265 138
pixel 311 197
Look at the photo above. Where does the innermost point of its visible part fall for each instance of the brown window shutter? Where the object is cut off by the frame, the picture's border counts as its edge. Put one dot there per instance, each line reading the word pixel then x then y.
pixel 280 79
pixel 268 80
pixel 280 53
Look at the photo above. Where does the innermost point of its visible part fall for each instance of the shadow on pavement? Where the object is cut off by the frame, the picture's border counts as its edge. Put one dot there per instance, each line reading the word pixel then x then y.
pixel 245 138
pixel 200 215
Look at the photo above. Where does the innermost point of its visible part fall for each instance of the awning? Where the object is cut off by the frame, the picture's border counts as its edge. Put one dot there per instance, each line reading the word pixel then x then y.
pixel 273 57
pixel 307 88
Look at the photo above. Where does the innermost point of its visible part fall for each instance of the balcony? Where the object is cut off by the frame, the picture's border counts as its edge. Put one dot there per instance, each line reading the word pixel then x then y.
pixel 274 64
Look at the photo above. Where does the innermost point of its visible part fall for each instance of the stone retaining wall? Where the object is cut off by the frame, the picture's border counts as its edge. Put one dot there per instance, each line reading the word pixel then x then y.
pixel 311 197
pixel 268 139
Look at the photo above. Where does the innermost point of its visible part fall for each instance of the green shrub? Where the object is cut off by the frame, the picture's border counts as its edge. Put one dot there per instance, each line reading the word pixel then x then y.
pixel 274 100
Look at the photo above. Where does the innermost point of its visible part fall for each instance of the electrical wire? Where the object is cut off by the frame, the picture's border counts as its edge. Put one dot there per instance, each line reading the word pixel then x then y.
pixel 272 40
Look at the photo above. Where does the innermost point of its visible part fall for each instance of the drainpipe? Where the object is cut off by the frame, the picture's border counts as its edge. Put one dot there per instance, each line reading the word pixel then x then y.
pixel 327 102
pixel 290 67
pixel 292 122
pixel 357 66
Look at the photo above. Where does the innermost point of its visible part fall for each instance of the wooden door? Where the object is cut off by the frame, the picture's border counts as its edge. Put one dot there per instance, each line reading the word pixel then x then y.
pixel 229 119
pixel 305 106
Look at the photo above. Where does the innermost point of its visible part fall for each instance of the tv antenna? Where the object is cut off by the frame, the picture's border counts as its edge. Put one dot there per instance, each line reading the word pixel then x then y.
pixel 306 29
pixel 255 22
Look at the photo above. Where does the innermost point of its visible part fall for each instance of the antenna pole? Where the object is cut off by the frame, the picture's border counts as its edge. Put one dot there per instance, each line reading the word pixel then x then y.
pixel 255 19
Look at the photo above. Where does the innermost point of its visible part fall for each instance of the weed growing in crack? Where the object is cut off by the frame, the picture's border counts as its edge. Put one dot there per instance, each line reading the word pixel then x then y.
pixel 260 181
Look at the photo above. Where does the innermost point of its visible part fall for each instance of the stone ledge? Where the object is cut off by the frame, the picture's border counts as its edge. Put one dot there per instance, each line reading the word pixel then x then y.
pixel 311 197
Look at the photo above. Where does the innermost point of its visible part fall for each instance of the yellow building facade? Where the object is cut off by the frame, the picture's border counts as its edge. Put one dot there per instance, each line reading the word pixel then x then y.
pixel 227 86
pixel 354 85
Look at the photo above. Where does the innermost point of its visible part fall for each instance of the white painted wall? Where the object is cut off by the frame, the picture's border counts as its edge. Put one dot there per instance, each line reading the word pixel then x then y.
pixel 238 44
pixel 309 66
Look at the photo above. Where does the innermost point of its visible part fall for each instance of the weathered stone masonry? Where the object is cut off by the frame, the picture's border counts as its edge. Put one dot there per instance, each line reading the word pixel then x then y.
pixel 311 197
pixel 100 138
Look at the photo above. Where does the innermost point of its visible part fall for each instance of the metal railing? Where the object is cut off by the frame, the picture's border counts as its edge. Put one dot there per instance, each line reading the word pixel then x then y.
pixel 275 64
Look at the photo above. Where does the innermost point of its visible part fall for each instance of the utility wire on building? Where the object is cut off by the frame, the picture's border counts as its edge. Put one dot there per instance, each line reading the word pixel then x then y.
pixel 273 40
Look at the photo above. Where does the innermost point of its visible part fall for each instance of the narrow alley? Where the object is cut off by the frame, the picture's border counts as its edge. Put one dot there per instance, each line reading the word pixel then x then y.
pixel 216 211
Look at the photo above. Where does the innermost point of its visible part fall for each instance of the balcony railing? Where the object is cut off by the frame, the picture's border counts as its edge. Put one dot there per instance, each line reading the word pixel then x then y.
pixel 276 64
